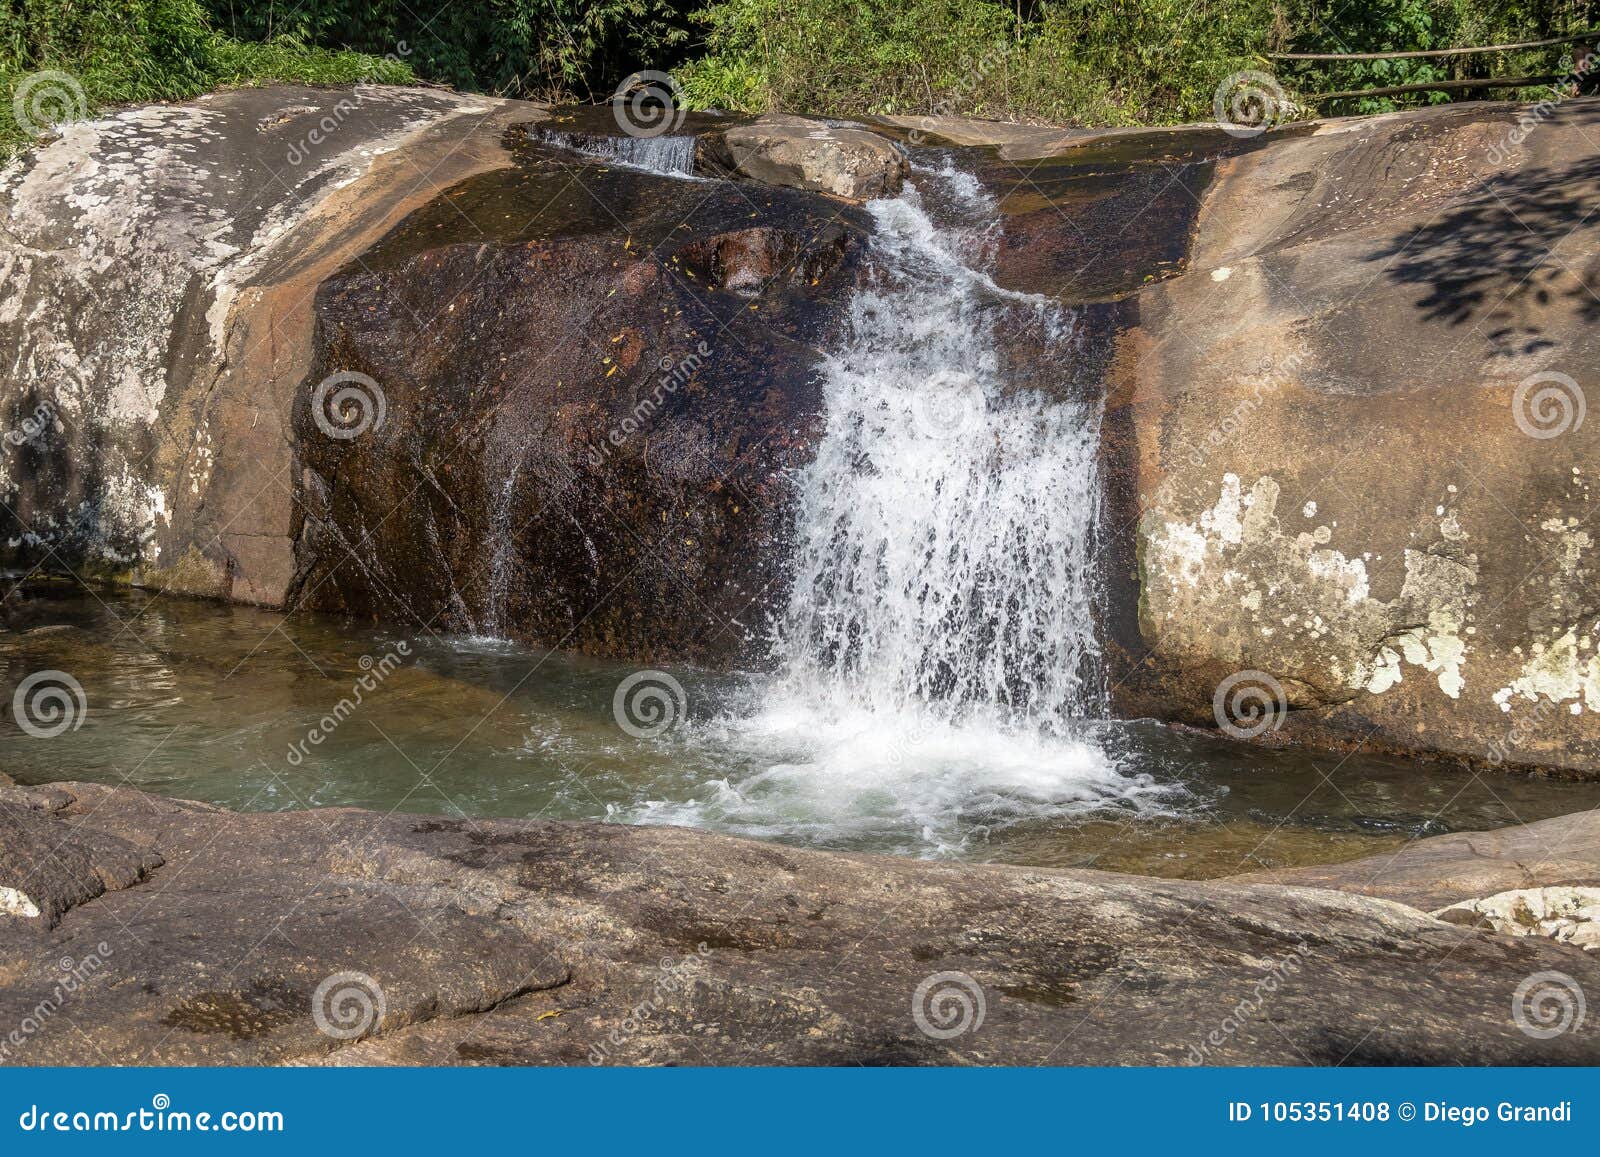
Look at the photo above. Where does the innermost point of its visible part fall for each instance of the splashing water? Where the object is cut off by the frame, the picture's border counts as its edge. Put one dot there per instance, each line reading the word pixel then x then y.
pixel 938 669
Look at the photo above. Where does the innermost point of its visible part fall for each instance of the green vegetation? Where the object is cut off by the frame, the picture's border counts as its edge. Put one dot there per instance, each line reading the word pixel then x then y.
pixel 1084 61
pixel 1095 61
pixel 61 59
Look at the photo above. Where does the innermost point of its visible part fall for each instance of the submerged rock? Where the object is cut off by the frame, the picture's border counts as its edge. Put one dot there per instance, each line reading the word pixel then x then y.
pixel 348 937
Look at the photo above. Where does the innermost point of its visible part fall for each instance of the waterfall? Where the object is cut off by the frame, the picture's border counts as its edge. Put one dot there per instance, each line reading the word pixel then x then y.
pixel 945 529
pixel 671 156
pixel 937 671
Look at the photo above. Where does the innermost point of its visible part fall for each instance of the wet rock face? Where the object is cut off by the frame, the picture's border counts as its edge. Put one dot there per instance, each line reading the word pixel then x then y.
pixel 588 415
pixel 1346 447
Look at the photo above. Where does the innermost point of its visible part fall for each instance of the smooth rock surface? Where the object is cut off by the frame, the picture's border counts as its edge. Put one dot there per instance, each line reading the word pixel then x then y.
pixel 446 941
pixel 802 153
pixel 1443 870
pixel 1347 456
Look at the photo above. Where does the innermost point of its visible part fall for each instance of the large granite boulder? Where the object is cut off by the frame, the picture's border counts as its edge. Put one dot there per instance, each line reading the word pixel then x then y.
pixel 804 153
pixel 157 270
pixel 348 937
pixel 1349 471
pixel 576 395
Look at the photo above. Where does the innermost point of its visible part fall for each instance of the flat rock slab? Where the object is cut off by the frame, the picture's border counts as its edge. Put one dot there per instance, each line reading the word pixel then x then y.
pixel 1444 870
pixel 344 936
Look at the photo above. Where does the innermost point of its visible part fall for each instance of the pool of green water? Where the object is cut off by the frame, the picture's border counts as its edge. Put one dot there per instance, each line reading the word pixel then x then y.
pixel 221 704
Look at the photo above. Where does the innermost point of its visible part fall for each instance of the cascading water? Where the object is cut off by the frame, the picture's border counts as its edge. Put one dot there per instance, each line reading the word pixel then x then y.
pixel 937 664
pixel 946 525
pixel 669 156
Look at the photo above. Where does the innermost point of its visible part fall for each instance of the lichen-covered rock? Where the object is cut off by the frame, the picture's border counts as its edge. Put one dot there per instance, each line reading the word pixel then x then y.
pixel 801 153
pixel 1565 915
pixel 1347 444
pixel 156 267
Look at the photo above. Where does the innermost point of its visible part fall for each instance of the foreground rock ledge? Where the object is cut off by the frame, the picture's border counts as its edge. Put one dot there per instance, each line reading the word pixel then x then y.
pixel 207 936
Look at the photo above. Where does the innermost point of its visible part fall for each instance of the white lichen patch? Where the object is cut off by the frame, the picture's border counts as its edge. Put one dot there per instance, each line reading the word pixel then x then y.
pixel 1234 584
pixel 1567 915
pixel 1567 669
pixel 17 903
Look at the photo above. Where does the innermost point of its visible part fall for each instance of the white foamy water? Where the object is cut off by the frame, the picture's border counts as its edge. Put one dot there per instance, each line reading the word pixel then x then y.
pixel 937 664
pixel 668 156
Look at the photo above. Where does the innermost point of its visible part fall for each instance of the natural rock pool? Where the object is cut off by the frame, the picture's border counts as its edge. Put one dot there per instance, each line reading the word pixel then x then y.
pixel 216 703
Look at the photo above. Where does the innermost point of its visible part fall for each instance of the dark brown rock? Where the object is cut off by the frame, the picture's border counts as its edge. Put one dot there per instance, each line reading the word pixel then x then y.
pixel 589 419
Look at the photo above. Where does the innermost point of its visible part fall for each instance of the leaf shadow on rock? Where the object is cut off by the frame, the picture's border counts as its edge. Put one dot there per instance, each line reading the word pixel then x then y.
pixel 1499 258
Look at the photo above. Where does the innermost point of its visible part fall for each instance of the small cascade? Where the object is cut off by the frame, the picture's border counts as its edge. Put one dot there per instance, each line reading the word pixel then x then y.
pixel 671 156
pixel 945 533
pixel 501 549
pixel 938 675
